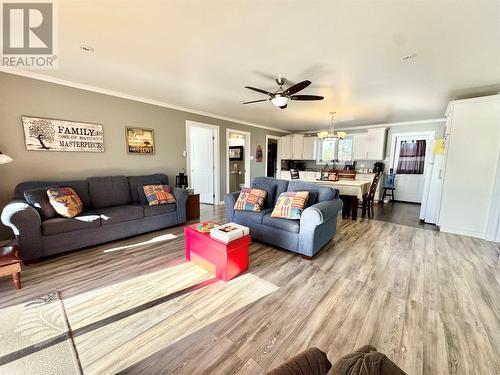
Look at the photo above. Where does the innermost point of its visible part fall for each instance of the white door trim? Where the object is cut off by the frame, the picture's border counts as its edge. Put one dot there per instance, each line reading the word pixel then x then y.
pixel 189 124
pixel 278 159
pixel 493 227
pixel 247 136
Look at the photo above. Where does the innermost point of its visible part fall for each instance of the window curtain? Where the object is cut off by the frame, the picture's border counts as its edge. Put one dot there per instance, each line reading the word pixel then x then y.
pixel 411 157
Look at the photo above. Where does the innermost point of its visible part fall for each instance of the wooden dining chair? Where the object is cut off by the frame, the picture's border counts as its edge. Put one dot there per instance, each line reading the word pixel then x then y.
pixel 369 198
pixel 346 174
pixel 294 174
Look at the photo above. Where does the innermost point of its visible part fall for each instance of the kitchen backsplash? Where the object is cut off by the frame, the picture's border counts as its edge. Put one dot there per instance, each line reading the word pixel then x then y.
pixel 311 165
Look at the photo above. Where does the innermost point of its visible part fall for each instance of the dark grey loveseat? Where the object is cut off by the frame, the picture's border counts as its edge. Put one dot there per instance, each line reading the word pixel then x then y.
pixel 113 209
pixel 317 224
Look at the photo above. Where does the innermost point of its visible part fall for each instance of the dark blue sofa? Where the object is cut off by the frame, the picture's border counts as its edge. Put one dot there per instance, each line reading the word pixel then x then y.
pixel 306 236
pixel 113 209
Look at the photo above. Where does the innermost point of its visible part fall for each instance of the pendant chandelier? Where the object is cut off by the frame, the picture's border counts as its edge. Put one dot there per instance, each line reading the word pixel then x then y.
pixel 330 134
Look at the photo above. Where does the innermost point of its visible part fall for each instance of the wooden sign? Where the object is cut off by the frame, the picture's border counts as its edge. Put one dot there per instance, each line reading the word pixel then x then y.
pixel 42 134
pixel 140 141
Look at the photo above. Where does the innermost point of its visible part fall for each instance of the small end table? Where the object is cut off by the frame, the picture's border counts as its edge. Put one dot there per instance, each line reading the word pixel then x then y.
pixel 193 207
pixel 10 264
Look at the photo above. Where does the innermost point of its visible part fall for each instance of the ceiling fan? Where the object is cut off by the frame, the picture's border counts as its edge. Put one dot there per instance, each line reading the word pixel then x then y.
pixel 281 96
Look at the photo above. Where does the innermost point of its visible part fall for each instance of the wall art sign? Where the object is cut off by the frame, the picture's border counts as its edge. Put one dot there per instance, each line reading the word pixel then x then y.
pixel 140 141
pixel 43 134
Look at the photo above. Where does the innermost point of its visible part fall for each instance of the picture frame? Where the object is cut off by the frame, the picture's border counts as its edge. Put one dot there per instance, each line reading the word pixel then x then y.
pixel 235 152
pixel 140 141
pixel 55 135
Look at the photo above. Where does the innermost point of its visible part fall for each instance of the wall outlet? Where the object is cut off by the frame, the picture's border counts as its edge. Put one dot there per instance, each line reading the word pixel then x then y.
pixel 251 157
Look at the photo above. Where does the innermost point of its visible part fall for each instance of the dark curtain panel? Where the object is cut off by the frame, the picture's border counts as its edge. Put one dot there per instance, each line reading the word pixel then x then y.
pixel 411 157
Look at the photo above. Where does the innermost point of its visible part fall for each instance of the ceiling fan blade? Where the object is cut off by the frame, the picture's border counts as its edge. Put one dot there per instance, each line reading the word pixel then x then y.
pixel 255 101
pixel 306 97
pixel 283 106
pixel 259 90
pixel 297 87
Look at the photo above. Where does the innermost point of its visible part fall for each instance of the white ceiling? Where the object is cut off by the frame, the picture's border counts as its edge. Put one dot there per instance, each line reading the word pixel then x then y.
pixel 199 54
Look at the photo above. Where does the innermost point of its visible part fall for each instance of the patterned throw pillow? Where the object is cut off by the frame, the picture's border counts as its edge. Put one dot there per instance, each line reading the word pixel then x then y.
pixel 250 199
pixel 65 201
pixel 290 204
pixel 158 194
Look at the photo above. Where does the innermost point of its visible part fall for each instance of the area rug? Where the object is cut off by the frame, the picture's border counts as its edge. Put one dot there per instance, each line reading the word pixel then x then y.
pixel 35 339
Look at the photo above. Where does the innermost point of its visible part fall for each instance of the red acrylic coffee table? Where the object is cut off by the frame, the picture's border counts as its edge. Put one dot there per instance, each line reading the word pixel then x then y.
pixel 225 261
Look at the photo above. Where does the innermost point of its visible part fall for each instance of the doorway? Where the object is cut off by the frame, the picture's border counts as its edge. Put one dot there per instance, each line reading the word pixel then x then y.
pixel 237 159
pixel 202 143
pixel 410 162
pixel 273 160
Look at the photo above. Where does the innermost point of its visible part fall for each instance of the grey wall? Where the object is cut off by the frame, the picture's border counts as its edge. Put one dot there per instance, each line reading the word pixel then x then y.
pixel 25 96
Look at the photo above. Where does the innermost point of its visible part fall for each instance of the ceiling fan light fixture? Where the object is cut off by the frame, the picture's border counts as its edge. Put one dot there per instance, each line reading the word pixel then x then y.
pixel 279 101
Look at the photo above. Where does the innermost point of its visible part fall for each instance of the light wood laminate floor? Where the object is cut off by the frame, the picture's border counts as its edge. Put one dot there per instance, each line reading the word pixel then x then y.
pixel 429 300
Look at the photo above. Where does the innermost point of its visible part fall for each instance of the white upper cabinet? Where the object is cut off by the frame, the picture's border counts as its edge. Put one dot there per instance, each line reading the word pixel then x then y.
pixel 309 148
pixel 297 146
pixel 376 144
pixel 286 147
pixel 360 146
pixel 369 145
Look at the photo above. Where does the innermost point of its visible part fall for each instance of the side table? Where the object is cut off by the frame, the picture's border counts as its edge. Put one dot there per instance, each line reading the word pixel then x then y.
pixel 193 207
pixel 10 264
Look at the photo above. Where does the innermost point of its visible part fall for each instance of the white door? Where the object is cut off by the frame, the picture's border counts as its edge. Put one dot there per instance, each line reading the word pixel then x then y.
pixel 410 187
pixel 201 160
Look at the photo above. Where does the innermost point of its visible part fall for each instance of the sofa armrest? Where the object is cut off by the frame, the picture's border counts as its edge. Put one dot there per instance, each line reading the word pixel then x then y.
pixel 25 222
pixel 319 213
pixel 229 201
pixel 181 196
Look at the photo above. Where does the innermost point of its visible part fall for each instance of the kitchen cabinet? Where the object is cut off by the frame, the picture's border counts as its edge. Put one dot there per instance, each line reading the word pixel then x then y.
pixel 360 146
pixel 376 144
pixel 309 148
pixel 286 147
pixel 369 145
pixel 297 146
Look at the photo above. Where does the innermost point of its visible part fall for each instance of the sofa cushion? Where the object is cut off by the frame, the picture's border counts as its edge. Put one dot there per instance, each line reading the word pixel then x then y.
pixel 137 182
pixel 158 194
pixel 109 191
pixel 273 186
pixel 158 209
pixel 85 220
pixel 290 204
pixel 284 224
pixel 313 198
pixel 65 201
pixel 325 193
pixel 80 186
pixel 250 199
pixel 118 214
pixel 250 217
pixel 39 199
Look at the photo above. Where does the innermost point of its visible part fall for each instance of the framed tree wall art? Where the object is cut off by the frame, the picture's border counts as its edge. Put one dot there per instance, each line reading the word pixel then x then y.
pixel 43 134
pixel 140 141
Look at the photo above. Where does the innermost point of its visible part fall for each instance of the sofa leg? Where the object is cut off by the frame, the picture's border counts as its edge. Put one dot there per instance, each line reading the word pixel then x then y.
pixel 306 257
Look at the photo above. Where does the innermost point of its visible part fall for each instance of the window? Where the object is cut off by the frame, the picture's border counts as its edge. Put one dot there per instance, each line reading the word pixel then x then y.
pixel 411 157
pixel 345 149
pixel 327 151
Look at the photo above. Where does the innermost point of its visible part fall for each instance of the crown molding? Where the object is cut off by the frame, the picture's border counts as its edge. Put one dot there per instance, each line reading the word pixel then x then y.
pixel 386 125
pixel 99 90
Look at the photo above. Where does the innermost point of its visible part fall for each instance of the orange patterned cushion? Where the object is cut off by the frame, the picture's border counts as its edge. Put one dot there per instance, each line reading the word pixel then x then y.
pixel 158 194
pixel 290 204
pixel 250 200
pixel 65 201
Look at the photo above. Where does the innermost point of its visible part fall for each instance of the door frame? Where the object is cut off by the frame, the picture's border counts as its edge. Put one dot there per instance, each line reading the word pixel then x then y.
pixel 247 136
pixel 278 151
pixel 216 175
